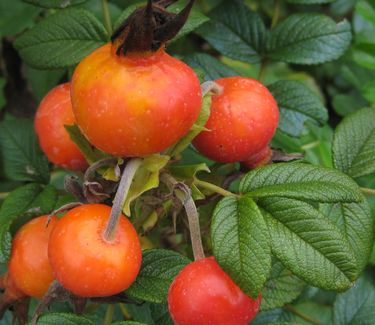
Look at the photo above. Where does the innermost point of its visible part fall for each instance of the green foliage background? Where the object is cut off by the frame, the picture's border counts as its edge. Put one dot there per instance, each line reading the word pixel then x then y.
pixel 317 57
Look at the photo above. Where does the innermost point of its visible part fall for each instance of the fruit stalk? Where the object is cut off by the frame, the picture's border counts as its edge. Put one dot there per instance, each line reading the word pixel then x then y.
pixel 121 194
pixel 183 193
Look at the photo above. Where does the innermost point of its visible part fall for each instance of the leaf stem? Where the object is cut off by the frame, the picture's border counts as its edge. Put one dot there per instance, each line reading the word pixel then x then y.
pixel 124 311
pixel 120 197
pixel 368 191
pixel 262 70
pixel 213 188
pixel 107 17
pixel 109 315
pixel 183 193
pixel 276 14
pixel 296 312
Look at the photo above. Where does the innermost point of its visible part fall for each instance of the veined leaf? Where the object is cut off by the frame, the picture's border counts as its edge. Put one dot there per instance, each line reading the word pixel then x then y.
pixel 309 244
pixel 281 288
pixel 235 31
pixel 31 200
pixel 301 181
pixel 61 40
pixel 158 270
pixel 58 4
pixel 356 224
pixel 356 306
pixel 297 104
pixel 307 38
pixel 354 143
pixel 240 243
pixel 63 319
pixel 22 158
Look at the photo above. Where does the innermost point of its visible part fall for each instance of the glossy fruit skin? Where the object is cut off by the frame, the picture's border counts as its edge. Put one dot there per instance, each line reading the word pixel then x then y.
pixel 259 159
pixel 86 264
pixel 55 111
pixel 134 105
pixel 202 293
pixel 29 266
pixel 243 120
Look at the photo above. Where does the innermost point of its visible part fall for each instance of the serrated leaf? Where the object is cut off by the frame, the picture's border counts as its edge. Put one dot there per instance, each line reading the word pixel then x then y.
pixel 309 244
pixel 212 68
pixel 31 200
pixel 356 306
pixel 62 39
pixel 307 38
pixel 356 224
pixel 235 31
pixel 63 319
pixel 22 159
pixel 57 4
pixel 240 243
pixel 145 179
pixel 297 104
pixel 354 143
pixel 282 287
pixel 158 270
pixel 301 181
pixel 198 127
pixel 90 153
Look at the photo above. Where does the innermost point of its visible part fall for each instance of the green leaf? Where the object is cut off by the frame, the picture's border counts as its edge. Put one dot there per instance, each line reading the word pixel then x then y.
pixel 363 54
pixel 235 31
pixel 354 143
pixel 213 68
pixel 356 225
pixel 58 4
pixel 16 16
pixel 368 91
pixel 301 181
pixel 198 127
pixel 61 40
pixel 30 200
pixel 309 2
pixel 22 158
pixel 356 306
pixel 128 323
pixel 307 38
pixel 145 179
pixel 240 243
pixel 187 174
pixel 309 244
pixel 63 319
pixel 196 19
pixel 282 287
pixel 2 95
pixel 159 268
pixel 42 81
pixel 90 153
pixel 298 104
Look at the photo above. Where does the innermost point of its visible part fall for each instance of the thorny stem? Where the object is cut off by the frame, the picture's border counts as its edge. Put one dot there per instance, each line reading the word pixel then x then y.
pixel 368 191
pixel 120 197
pixel 107 17
pixel 213 188
pixel 109 315
pixel 296 312
pixel 183 193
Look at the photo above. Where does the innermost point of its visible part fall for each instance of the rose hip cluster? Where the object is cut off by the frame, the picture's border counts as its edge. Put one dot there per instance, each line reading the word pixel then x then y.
pixel 133 104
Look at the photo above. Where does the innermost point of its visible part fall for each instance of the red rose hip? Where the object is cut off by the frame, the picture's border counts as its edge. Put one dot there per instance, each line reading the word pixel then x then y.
pixel 202 293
